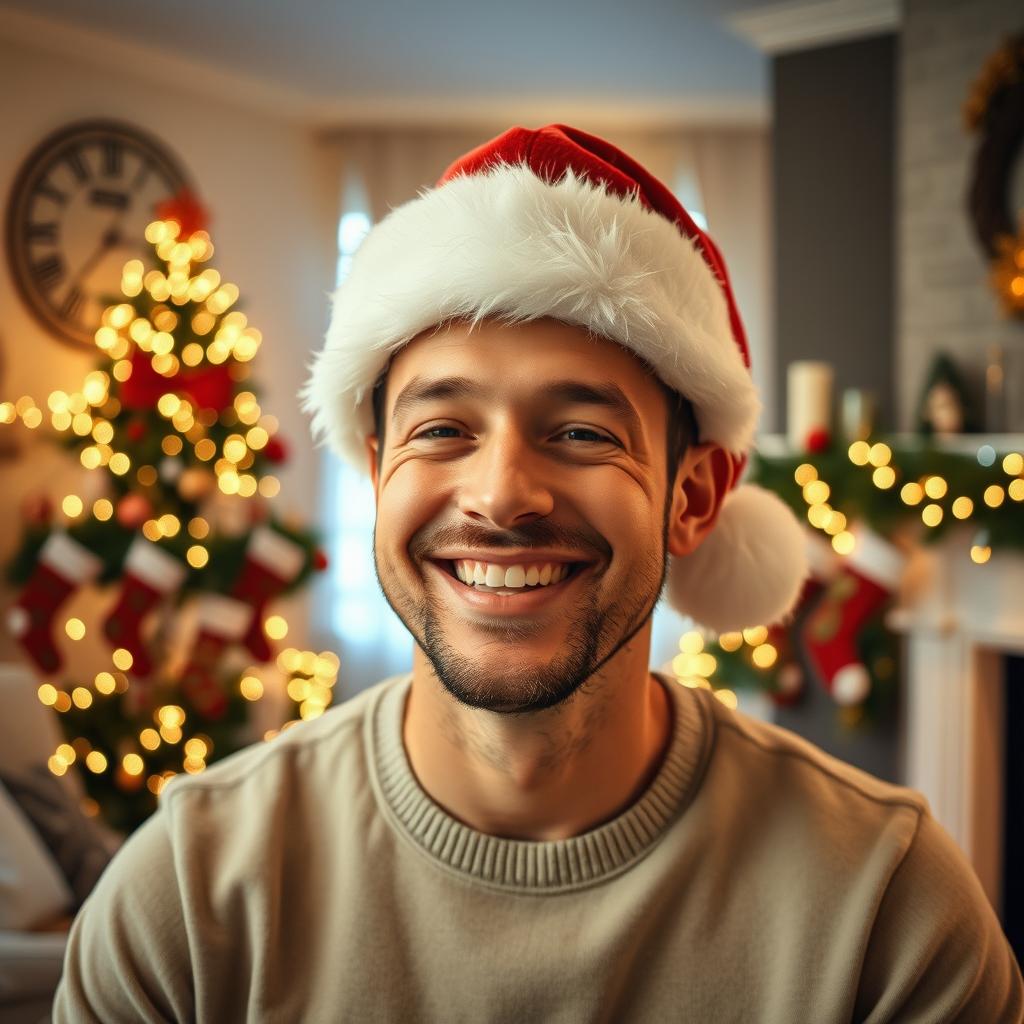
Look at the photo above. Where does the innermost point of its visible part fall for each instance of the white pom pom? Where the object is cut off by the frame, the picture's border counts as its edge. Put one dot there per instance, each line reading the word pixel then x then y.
pixel 748 571
pixel 851 685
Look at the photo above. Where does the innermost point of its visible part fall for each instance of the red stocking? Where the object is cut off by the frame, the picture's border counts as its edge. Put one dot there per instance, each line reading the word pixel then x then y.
pixel 64 565
pixel 871 573
pixel 222 622
pixel 272 561
pixel 150 574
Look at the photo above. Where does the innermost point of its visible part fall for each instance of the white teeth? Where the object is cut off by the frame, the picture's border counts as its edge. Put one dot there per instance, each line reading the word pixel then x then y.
pixel 513 577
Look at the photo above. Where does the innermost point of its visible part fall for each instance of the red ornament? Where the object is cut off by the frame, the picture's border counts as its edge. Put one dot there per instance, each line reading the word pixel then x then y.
pixel 133 510
pixel 276 450
pixel 186 209
pixel 136 430
pixel 818 440
pixel 37 509
pixel 319 560
pixel 207 387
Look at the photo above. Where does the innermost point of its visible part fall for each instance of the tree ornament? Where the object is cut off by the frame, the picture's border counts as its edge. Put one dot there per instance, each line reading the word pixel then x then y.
pixel 222 622
pixel 818 440
pixel 272 561
pixel 63 566
pixel 171 469
pixel 186 209
pixel 869 576
pixel 320 561
pixel 133 510
pixel 37 509
pixel 136 430
pixel 276 450
pixel 194 484
pixel 150 574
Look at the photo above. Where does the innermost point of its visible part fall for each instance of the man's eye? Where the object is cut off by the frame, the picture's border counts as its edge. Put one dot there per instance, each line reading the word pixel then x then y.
pixel 437 433
pixel 588 436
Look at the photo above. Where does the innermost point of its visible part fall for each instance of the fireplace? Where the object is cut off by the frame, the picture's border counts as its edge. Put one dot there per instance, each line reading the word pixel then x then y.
pixel 965 639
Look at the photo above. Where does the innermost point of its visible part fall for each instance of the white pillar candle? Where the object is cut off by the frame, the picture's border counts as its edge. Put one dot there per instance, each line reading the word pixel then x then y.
pixel 809 401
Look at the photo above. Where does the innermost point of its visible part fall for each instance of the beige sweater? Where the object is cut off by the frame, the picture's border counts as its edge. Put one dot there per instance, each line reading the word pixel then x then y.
pixel 311 879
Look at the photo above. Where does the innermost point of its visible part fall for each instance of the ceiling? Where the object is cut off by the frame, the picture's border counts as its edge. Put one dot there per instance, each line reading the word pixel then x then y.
pixel 338 60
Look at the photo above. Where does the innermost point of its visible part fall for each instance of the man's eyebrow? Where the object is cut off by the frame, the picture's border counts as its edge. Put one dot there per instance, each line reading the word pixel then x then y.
pixel 573 392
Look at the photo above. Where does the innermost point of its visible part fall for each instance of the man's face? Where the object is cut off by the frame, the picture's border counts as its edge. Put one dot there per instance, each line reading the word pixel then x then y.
pixel 537 452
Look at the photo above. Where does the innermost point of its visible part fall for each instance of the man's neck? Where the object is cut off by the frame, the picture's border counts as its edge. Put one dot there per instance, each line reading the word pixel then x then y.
pixel 544 775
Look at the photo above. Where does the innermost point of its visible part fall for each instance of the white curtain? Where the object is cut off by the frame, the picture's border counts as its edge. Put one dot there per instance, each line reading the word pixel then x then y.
pixel 722 175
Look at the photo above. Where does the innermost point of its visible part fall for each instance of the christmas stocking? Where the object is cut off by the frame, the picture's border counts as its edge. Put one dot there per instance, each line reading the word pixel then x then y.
pixel 870 575
pixel 788 679
pixel 222 622
pixel 150 574
pixel 64 565
pixel 272 561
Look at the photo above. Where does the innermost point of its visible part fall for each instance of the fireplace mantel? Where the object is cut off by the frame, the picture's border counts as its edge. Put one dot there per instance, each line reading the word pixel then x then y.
pixel 965 620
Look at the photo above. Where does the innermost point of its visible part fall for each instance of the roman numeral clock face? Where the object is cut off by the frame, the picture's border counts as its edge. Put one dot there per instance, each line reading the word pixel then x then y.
pixel 77 214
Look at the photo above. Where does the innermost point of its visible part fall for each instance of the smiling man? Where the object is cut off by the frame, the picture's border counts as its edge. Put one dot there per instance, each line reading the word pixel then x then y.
pixel 540 364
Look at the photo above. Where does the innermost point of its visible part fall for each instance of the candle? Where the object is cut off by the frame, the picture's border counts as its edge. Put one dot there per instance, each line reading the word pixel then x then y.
pixel 809 405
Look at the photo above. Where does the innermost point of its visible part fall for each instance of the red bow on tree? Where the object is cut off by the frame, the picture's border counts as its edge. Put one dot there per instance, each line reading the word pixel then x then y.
pixel 186 209
pixel 210 387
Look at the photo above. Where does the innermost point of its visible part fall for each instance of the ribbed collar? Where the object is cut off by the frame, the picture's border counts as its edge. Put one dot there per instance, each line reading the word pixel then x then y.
pixel 526 865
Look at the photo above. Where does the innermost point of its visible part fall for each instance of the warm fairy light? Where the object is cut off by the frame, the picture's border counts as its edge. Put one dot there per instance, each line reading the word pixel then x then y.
pixel 205 449
pixel 32 418
pixel 169 525
pixel 61 421
pixel 764 655
pixel 141 331
pixel 912 493
pixel 81 697
pixel 105 683
pixel 63 702
pixel 196 747
pixel 192 354
pixel 270 486
pixel 257 438
pixel 119 463
pixel 170 733
pixel 980 553
pixel 251 687
pixel 146 475
pixel 122 658
pixel 289 660
pixel 818 515
pixel 197 556
pixel 81 424
pixel 90 457
pixel 198 528
pixel 859 452
pixel 880 454
pixel 171 445
pixel 149 738
pixel 884 477
pixel 276 627
pixel 755 635
pixel 103 432
pixel 228 482
pixel 168 404
pixel 151 530
pixel 170 715
pixel 1013 464
pixel 1016 490
pixel 235 448
pixel 132 764
pixel 165 365
pixel 728 698
pixel 844 543
pixel 730 641
pixel 72 506
pixel 96 762
pixel 47 694
pixel 8 414
pixel 962 507
pixel 994 496
pixel 935 487
pixel 122 370
pixel 75 628
pixel 835 523
pixel 163 343
pixel 56 766
pixel 816 492
pixel 66 753
pixel 57 401
pixel 931 515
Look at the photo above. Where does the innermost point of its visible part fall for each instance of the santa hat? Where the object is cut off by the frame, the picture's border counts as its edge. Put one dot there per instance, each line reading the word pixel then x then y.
pixel 558 223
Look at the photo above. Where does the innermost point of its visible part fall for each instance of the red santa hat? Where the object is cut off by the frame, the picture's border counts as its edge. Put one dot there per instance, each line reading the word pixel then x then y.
pixel 558 223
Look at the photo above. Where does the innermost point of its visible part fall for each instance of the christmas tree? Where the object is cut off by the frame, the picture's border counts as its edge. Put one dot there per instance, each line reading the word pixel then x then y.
pixel 181 526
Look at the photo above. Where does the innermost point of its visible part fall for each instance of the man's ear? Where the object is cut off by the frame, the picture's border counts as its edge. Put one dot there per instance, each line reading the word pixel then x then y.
pixel 371 455
pixel 705 476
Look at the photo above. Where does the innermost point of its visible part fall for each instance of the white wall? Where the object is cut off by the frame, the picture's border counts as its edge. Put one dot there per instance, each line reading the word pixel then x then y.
pixel 271 193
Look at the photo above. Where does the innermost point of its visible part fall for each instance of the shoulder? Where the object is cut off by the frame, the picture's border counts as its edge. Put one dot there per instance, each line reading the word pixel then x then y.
pixel 329 748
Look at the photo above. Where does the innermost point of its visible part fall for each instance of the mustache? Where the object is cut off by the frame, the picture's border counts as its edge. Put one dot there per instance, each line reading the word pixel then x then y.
pixel 540 534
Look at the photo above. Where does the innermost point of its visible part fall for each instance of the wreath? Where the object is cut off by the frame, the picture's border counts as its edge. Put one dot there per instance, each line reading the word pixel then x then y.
pixel 995 110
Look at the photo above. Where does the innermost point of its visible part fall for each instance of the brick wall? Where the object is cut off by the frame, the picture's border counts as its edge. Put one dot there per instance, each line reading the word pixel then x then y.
pixel 944 298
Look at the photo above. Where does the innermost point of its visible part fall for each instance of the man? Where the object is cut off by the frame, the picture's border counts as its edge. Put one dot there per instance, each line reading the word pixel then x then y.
pixel 540 364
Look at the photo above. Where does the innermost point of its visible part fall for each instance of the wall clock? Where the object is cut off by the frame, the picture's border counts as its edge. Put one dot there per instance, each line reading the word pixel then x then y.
pixel 77 213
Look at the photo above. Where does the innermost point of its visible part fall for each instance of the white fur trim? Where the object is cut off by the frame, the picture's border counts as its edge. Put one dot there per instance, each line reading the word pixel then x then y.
pixel 223 616
pixel 876 558
pixel 69 559
pixel 506 243
pixel 750 568
pixel 851 685
pixel 276 553
pixel 154 566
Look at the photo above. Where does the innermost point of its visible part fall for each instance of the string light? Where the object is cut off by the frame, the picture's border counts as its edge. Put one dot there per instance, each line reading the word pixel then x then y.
pixel 994 496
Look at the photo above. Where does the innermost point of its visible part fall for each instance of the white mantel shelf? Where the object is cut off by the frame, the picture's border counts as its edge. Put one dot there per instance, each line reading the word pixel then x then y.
pixel 966 620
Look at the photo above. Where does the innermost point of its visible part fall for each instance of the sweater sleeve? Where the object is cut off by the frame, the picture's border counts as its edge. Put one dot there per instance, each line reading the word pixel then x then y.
pixel 937 952
pixel 127 956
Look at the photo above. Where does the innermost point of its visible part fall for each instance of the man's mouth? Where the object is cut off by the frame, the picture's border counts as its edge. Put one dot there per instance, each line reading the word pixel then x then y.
pixel 493 578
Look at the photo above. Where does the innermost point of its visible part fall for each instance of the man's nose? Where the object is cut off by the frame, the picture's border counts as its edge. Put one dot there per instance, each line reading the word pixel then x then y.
pixel 506 482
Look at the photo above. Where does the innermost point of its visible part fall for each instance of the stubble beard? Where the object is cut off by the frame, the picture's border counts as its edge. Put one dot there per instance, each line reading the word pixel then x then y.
pixel 594 635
